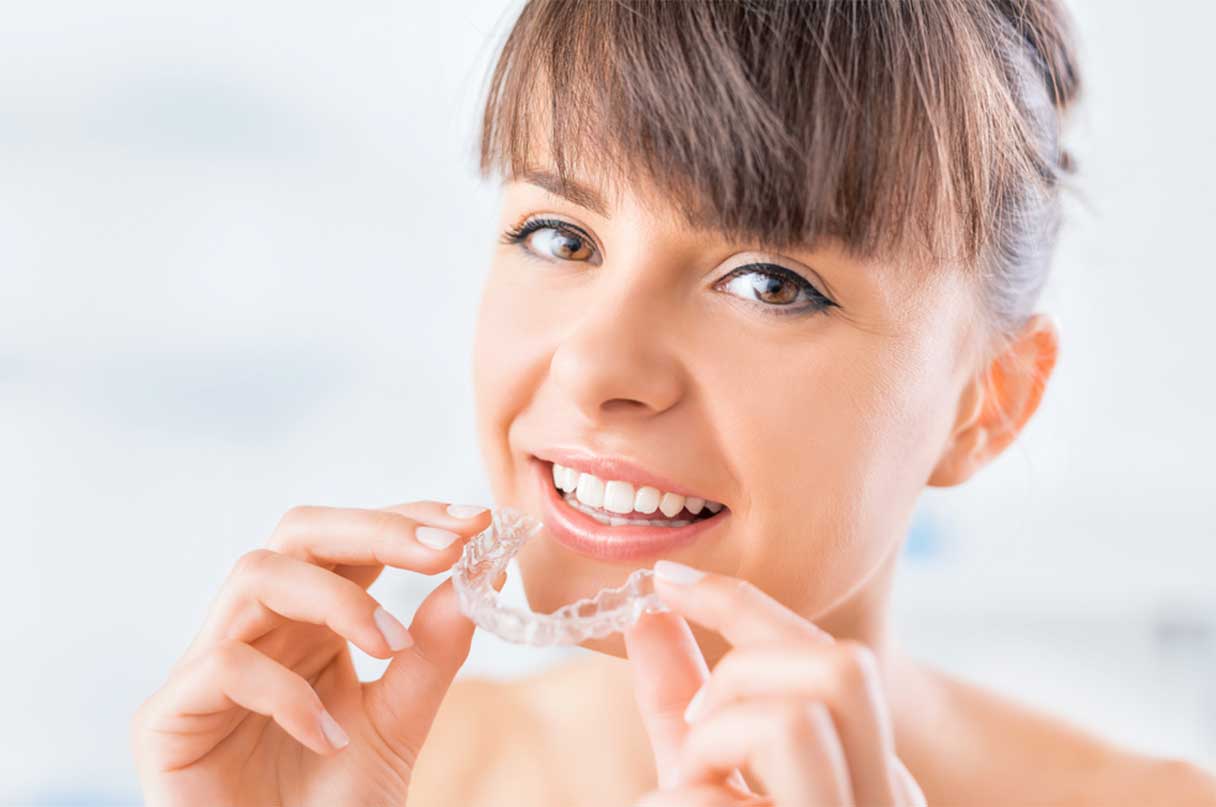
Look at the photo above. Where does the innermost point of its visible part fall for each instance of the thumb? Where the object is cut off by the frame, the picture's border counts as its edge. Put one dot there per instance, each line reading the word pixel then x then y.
pixel 668 669
pixel 404 701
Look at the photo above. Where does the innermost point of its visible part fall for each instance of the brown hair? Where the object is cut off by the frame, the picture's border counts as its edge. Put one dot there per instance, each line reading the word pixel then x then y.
pixel 904 129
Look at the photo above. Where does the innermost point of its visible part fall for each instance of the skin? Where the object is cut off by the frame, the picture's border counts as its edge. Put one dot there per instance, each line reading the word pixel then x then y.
pixel 817 431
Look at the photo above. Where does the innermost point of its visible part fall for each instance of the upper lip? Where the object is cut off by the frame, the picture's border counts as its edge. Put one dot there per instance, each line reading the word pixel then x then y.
pixel 614 467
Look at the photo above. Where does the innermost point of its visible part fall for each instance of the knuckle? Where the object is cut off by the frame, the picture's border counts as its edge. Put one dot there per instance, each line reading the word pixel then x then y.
pixel 350 597
pixel 389 528
pixel 298 694
pixel 855 663
pixel 794 724
pixel 226 658
pixel 816 714
pixel 290 524
pixel 297 514
pixel 731 667
pixel 745 589
pixel 253 563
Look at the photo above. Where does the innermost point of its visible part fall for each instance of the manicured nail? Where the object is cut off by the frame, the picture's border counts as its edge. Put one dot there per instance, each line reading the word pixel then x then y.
pixel 332 731
pixel 434 537
pixel 693 711
pixel 394 632
pixel 677 573
pixel 465 510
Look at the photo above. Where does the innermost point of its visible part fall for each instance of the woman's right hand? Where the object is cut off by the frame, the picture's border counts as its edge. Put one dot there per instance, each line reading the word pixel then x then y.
pixel 265 707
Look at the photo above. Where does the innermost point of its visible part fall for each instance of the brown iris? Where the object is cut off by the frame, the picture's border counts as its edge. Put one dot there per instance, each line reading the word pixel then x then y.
pixel 775 290
pixel 569 246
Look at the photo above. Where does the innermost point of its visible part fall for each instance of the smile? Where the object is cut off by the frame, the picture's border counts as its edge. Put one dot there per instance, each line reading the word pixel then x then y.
pixel 607 500
pixel 616 519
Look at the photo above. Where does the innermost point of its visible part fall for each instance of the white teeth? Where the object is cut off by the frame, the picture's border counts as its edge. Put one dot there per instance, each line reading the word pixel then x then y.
pixel 622 498
pixel 617 521
pixel 647 500
pixel 671 503
pixel 618 497
pixel 590 490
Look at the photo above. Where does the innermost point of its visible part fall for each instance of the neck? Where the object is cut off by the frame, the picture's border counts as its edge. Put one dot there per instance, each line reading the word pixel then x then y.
pixel 862 615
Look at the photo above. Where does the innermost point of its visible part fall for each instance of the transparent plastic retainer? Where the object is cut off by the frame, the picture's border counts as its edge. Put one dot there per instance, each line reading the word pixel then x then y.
pixel 488 553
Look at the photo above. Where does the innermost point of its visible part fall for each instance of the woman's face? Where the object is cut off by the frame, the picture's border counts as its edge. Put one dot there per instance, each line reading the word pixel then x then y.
pixel 809 393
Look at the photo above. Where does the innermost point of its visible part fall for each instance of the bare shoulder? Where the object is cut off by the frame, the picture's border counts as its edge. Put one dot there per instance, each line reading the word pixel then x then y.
pixel 1021 755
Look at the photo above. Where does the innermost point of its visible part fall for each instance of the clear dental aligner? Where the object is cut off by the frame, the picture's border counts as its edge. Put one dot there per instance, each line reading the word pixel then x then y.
pixel 487 554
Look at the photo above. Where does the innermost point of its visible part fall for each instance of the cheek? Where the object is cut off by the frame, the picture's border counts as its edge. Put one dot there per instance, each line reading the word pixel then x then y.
pixel 510 349
pixel 839 440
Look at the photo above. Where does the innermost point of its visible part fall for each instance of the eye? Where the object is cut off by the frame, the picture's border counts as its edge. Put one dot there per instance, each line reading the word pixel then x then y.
pixel 552 239
pixel 781 290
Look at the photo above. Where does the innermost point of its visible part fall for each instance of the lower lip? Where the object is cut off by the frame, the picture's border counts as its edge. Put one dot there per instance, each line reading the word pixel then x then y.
pixel 582 533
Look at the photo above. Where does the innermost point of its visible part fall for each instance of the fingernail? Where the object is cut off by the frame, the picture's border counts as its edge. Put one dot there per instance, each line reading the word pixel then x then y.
pixel 332 731
pixel 677 573
pixel 394 632
pixel 434 537
pixel 465 510
pixel 693 711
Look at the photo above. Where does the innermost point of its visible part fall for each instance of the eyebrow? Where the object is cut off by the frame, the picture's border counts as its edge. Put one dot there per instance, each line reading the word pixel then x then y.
pixel 570 189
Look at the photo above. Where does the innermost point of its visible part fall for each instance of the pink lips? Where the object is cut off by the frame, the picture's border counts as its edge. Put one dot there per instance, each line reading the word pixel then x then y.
pixel 583 534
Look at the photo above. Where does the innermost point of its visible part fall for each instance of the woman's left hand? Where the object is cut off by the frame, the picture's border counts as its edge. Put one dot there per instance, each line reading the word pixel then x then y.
pixel 803 714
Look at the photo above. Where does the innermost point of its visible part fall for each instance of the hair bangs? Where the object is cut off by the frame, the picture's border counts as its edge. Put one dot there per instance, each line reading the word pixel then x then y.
pixel 782 123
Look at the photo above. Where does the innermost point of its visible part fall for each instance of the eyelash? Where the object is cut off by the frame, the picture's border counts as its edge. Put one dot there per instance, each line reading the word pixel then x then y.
pixel 819 302
pixel 519 233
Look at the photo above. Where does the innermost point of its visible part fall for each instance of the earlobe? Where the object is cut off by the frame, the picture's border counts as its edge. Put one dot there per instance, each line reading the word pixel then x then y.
pixel 999 401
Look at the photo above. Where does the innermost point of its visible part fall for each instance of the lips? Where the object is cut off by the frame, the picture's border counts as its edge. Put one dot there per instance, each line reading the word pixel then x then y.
pixel 628 542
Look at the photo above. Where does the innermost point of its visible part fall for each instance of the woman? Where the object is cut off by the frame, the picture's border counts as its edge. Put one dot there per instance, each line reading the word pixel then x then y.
pixel 766 271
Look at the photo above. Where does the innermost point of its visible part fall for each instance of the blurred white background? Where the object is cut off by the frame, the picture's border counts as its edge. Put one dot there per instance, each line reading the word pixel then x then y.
pixel 240 249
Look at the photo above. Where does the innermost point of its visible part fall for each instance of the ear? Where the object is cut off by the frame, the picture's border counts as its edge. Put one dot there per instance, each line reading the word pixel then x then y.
pixel 998 402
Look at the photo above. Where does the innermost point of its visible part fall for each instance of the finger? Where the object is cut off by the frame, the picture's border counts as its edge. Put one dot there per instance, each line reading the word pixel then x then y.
pixel 409 693
pixel 733 607
pixel 420 536
pixel 668 669
pixel 234 675
pixel 267 589
pixel 790 745
pixel 698 796
pixel 909 788
pixel 843 676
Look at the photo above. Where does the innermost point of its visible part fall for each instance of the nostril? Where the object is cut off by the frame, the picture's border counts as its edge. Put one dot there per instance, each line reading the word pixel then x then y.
pixel 622 405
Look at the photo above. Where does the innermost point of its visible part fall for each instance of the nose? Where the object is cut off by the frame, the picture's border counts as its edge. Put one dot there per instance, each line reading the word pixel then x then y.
pixel 616 360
